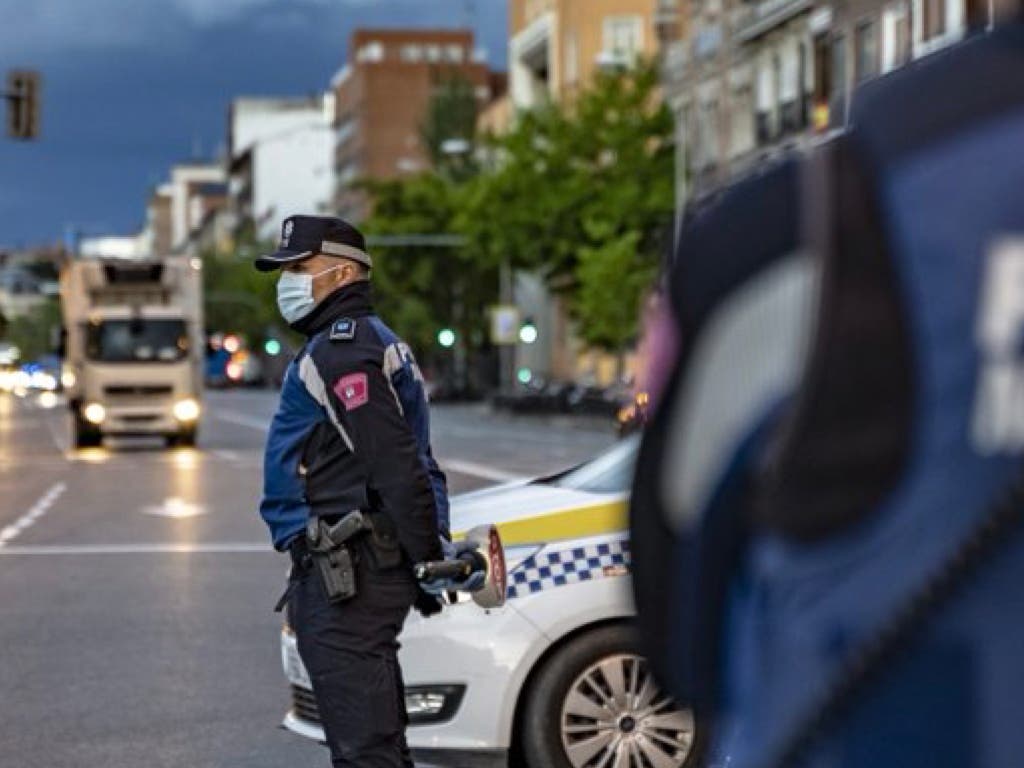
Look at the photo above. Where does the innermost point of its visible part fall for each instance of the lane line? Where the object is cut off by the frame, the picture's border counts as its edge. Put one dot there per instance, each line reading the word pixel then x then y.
pixel 36 511
pixel 455 465
pixel 140 549
pixel 485 471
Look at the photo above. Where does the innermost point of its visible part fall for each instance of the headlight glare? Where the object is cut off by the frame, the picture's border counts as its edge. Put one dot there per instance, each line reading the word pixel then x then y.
pixel 186 410
pixel 94 413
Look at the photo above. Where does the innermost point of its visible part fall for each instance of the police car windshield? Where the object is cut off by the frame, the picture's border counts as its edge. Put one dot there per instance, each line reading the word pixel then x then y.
pixel 135 341
pixel 610 472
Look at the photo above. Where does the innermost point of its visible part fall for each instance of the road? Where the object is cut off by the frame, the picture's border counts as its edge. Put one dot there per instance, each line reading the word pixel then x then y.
pixel 136 584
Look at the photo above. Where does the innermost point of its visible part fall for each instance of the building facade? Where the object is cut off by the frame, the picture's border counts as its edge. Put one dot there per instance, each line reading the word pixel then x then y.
pixel 557 45
pixel 382 95
pixel 280 160
pixel 752 79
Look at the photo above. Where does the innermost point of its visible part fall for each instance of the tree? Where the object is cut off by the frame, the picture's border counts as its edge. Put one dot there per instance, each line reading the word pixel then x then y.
pixel 451 117
pixel 575 184
pixel 422 289
pixel 237 297
pixel 35 332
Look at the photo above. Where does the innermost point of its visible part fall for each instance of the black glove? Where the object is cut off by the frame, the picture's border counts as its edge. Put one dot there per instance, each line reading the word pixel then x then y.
pixel 428 605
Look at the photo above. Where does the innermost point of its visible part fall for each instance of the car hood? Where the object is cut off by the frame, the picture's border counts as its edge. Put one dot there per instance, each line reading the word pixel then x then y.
pixel 527 513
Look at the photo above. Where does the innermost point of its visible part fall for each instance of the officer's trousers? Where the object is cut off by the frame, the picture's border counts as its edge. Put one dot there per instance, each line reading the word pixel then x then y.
pixel 350 651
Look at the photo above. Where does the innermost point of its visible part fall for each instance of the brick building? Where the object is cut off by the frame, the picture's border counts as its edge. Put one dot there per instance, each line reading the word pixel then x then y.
pixel 382 95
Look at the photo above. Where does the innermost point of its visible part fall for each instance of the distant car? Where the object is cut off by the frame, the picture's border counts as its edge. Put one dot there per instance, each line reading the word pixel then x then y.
pixel 554 678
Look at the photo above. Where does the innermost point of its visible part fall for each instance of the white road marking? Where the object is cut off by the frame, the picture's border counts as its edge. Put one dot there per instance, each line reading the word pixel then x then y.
pixel 175 508
pixel 455 465
pixel 480 470
pixel 141 549
pixel 226 455
pixel 233 417
pixel 35 512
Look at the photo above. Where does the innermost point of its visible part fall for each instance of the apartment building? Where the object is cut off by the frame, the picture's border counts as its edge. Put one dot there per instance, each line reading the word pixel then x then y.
pixel 280 160
pixel 754 78
pixel 557 45
pixel 382 94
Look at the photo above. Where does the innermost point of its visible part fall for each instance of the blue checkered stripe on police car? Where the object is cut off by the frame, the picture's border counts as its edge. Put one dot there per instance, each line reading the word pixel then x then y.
pixel 558 568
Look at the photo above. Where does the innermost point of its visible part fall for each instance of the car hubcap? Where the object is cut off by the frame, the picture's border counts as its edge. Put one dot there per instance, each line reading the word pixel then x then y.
pixel 615 716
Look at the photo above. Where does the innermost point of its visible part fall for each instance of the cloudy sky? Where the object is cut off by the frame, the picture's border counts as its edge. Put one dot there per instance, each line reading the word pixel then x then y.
pixel 132 86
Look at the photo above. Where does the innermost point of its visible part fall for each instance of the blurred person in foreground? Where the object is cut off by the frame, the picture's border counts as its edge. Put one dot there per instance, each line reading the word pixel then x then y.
pixel 828 514
pixel 351 489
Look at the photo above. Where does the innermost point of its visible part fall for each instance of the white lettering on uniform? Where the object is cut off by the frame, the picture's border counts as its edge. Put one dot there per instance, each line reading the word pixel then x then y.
pixel 997 425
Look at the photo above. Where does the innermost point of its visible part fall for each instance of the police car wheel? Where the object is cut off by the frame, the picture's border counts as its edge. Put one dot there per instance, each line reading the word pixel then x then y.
pixel 595 703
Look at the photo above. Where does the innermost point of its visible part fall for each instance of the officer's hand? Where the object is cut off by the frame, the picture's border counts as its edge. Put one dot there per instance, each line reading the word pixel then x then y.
pixel 427 604
pixel 472 583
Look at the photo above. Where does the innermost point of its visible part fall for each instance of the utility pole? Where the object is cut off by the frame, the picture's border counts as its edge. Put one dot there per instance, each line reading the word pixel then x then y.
pixel 23 96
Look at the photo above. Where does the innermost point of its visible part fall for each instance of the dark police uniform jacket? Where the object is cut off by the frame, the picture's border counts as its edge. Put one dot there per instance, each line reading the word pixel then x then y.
pixel 352 431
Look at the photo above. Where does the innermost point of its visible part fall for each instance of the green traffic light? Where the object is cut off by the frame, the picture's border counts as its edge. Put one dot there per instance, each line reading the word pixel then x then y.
pixel 446 337
pixel 272 347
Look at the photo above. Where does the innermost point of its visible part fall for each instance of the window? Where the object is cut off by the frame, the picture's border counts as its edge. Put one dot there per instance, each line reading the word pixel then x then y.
pixel 895 37
pixel 129 341
pixel 867 50
pixel 372 51
pixel 624 37
pixel 456 54
pixel 412 53
pixel 433 53
pixel 611 472
pixel 742 122
pixel 933 21
pixel 837 94
pixel 572 62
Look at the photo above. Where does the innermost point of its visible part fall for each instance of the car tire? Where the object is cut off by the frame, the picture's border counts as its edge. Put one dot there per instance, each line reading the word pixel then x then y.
pixel 594 696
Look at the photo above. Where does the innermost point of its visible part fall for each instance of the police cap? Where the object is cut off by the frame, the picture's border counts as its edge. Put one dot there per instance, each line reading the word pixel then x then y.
pixel 305 236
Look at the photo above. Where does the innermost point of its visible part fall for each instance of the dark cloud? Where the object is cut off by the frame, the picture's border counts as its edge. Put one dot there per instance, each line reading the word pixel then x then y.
pixel 128 92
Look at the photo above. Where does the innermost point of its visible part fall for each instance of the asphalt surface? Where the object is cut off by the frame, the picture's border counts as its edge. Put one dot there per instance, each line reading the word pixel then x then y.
pixel 136 583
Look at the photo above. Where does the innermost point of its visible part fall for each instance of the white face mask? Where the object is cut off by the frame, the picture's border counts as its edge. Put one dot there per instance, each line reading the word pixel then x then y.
pixel 295 294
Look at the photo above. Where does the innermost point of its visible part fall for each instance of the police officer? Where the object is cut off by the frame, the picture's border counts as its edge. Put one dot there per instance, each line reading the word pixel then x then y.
pixel 351 434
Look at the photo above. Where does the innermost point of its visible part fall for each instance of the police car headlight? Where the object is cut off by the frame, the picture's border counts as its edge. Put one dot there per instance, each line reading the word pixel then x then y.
pixel 94 413
pixel 428 704
pixel 186 410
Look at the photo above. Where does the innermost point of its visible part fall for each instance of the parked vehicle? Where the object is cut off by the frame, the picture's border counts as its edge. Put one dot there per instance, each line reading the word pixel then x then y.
pixel 554 677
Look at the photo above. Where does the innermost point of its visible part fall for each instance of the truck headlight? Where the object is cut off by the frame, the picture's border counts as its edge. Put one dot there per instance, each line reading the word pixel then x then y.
pixel 186 410
pixel 68 379
pixel 94 413
pixel 433 703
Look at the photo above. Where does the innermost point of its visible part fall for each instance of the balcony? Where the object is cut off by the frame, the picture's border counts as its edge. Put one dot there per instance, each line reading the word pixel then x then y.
pixel 764 16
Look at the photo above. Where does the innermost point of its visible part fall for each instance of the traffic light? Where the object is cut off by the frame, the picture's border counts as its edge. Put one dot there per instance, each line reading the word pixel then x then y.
pixel 23 94
pixel 446 337
pixel 272 347
pixel 528 332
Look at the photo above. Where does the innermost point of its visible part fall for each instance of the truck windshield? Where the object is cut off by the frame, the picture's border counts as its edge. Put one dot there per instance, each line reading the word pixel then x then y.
pixel 137 341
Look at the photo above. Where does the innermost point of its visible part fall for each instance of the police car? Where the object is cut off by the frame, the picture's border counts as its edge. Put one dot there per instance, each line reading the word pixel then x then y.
pixel 552 679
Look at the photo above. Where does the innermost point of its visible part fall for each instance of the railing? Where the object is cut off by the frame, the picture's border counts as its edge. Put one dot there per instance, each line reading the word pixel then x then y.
pixel 766 15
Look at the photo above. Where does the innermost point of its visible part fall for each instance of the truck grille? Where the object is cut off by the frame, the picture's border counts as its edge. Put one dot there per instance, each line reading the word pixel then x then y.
pixel 137 390
pixel 304 705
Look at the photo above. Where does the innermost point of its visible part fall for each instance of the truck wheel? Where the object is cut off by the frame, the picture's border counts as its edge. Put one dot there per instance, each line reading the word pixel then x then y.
pixel 182 439
pixel 85 437
pixel 595 703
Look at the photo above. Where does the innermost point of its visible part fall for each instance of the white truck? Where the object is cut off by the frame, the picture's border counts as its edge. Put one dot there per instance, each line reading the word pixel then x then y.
pixel 133 347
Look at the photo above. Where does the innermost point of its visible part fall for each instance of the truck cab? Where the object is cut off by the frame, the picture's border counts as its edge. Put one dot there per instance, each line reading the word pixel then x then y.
pixel 133 347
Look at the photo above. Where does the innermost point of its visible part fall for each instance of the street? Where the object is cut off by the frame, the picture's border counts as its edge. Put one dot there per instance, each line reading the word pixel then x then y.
pixel 137 583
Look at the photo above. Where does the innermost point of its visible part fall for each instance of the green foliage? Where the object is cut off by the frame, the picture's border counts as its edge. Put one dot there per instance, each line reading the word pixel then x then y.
pixel 451 114
pixel 236 297
pixel 581 193
pixel 612 281
pixel 35 332
pixel 422 289
pixel 574 178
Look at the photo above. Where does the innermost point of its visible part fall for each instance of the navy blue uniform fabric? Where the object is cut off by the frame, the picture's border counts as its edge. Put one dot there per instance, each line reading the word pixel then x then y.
pixel 352 432
pixel 327 456
pixel 943 145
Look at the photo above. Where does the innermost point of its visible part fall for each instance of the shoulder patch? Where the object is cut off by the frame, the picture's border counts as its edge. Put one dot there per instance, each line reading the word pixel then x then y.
pixel 343 329
pixel 353 390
